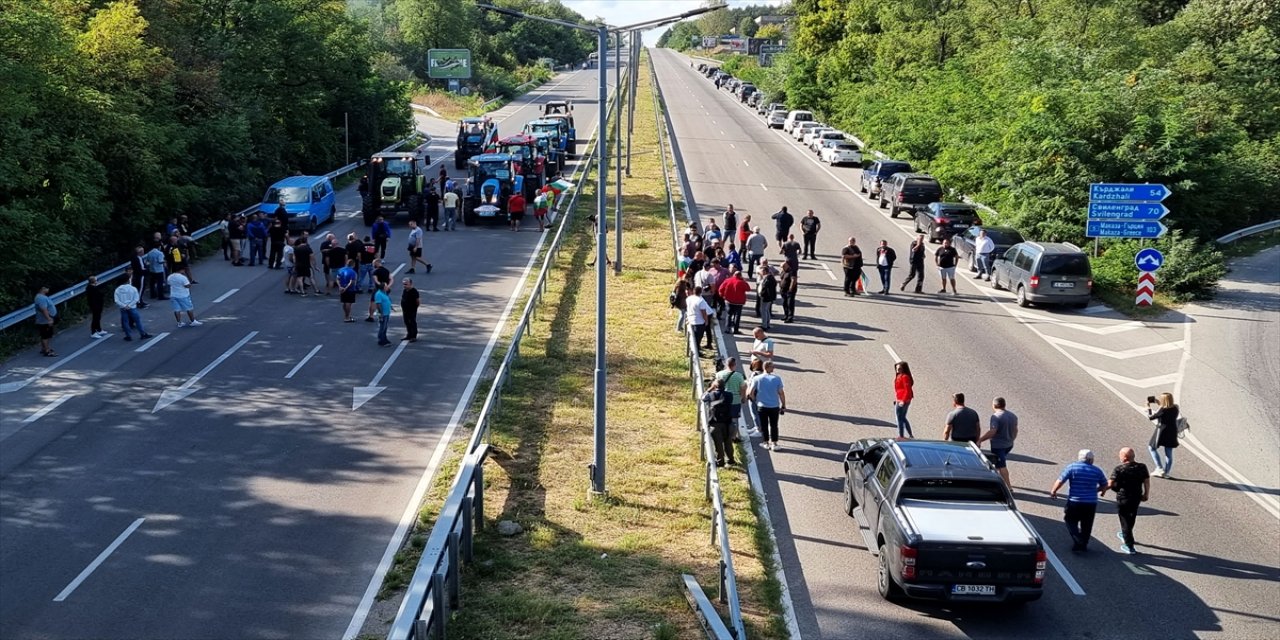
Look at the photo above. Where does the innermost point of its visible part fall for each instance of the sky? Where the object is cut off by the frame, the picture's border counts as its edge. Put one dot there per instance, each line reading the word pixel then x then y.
pixel 624 12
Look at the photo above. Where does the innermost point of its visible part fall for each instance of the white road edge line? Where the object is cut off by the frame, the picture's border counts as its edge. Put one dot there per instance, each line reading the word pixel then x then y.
pixel 152 342
pixel 411 509
pixel 1061 570
pixel 307 358
pixel 224 296
pixel 44 411
pixel 1269 503
pixel 892 354
pixel 99 560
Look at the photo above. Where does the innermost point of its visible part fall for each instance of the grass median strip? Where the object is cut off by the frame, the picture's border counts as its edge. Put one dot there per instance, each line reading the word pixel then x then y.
pixel 601 568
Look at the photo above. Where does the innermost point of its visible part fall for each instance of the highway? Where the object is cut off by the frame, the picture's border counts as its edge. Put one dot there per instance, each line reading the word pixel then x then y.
pixel 244 479
pixel 1209 564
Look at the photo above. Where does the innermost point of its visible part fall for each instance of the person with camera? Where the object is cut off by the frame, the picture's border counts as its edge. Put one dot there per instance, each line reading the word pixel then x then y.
pixel 1165 434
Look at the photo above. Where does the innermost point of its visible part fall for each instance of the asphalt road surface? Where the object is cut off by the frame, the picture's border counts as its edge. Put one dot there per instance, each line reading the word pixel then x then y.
pixel 258 503
pixel 1209 563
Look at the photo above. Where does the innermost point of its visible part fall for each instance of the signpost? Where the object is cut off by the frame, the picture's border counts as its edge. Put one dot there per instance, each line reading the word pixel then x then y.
pixel 767 51
pixel 1119 210
pixel 1120 228
pixel 1127 210
pixel 449 63
pixel 1121 192
pixel 1147 261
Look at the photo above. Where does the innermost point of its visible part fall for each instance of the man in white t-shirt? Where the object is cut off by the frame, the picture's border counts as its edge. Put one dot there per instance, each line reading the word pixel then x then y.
pixel 762 346
pixel 698 314
pixel 180 299
pixel 450 210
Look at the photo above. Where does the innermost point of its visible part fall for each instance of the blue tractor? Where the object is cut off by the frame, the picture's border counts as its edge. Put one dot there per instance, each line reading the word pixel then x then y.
pixel 491 179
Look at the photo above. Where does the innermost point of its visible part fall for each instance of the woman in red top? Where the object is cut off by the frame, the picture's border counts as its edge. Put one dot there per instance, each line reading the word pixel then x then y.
pixel 902 395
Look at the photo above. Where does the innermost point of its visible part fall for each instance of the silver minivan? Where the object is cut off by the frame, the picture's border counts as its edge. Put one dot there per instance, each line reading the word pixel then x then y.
pixel 1045 273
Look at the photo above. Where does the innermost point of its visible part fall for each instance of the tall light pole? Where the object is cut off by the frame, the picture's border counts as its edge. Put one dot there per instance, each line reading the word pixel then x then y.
pixel 602 34
pixel 617 136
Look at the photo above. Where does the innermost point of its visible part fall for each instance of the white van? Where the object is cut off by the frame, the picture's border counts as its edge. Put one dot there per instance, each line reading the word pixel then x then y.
pixel 794 117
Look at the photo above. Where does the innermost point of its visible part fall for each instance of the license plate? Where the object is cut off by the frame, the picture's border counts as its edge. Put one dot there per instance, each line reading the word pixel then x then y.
pixel 959 227
pixel 973 590
pixel 1064 285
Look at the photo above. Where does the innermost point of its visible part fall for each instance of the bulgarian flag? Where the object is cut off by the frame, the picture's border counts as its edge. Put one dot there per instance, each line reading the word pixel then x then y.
pixel 861 284
pixel 560 186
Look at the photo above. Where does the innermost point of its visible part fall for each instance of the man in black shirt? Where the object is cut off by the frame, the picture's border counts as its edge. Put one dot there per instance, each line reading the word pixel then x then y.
pixel 276 234
pixel 946 258
pixel 381 278
pixel 916 256
pixel 303 263
pixel 851 260
pixel 355 249
pixel 409 299
pixel 963 423
pixel 335 257
pixel 1132 484
pixel 809 227
pixel 782 223
pixel 281 213
pixel 791 249
pixel 885 256
pixel 433 210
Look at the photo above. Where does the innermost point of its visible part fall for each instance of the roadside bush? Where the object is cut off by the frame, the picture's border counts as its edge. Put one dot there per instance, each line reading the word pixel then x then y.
pixel 1190 271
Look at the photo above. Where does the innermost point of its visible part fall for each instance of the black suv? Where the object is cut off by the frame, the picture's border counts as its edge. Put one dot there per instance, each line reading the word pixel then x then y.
pixel 744 91
pixel 941 220
pixel 878 173
pixel 909 192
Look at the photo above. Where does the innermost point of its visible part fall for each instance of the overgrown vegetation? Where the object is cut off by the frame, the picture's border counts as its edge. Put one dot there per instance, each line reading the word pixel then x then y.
pixel 118 115
pixel 1021 105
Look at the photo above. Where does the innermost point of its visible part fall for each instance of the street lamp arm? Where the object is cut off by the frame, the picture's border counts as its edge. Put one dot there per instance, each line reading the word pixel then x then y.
pixel 650 24
pixel 520 14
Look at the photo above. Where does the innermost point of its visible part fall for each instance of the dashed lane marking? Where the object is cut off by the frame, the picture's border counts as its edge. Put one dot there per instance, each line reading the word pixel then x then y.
pixel 66 592
pixel 44 411
pixel 301 363
pixel 892 354
pixel 225 296
pixel 10 387
pixel 152 342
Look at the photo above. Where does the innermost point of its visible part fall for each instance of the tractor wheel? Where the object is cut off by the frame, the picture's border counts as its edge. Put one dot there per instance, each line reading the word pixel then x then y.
pixel 459 162
pixel 416 208
pixel 369 210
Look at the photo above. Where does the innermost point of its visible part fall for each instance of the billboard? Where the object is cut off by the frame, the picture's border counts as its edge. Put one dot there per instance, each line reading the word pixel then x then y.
pixel 708 42
pixel 737 45
pixel 449 63
pixel 767 51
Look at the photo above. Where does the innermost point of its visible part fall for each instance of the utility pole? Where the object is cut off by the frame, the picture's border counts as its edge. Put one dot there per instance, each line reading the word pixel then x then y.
pixel 602 247
pixel 617 136
pixel 634 56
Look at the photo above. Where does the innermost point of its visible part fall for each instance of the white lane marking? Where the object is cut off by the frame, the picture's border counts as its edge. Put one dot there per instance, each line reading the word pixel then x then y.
pixel 98 561
pixel 763 187
pixel 224 296
pixel 1095 308
pixel 892 354
pixel 151 343
pixel 10 387
pixel 1125 354
pixel 1141 383
pixel 44 411
pixel 393 273
pixel 722 132
pixel 1061 569
pixel 1101 331
pixel 745 163
pixel 411 509
pixel 828 270
pixel 731 146
pixel 361 395
pixel 1138 569
pixel 301 363
pixel 713 121
pixel 173 394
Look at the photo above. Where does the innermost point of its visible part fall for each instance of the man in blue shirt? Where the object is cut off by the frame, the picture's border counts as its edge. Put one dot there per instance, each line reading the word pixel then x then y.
pixel 767 391
pixel 383 302
pixel 46 316
pixel 1087 483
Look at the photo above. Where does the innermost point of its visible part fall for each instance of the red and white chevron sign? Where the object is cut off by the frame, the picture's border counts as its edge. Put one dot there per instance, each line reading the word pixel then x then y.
pixel 1146 289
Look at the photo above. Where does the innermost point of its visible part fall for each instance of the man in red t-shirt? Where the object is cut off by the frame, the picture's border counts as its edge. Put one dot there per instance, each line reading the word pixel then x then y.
pixel 515 210
pixel 734 292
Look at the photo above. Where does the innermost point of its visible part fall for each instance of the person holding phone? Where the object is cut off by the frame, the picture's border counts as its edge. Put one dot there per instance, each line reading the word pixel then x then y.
pixel 1165 434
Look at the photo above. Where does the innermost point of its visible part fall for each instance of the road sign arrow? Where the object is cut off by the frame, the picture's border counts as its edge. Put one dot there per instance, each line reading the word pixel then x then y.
pixel 361 395
pixel 1122 192
pixel 172 395
pixel 1127 210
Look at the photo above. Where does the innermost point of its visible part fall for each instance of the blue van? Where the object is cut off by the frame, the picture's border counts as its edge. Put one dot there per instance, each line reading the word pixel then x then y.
pixel 310 201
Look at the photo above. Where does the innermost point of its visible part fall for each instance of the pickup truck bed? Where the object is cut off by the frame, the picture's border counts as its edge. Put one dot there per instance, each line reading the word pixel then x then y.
pixel 985 522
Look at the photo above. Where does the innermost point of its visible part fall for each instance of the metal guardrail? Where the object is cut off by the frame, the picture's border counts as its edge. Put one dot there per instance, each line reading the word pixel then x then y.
pixel 29 311
pixel 711 623
pixel 1248 231
pixel 433 590
pixel 728 580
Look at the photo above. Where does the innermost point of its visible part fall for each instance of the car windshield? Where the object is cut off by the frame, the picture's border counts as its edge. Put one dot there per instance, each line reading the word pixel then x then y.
pixel 947 489
pixel 291 195
pixel 1064 264
pixel 495 169
pixel 398 167
pixel 890 168
pixel 544 127
pixel 515 150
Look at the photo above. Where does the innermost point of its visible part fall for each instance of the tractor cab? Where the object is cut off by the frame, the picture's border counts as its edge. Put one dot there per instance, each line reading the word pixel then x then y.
pixel 475 135
pixel 532 163
pixel 396 183
pixel 561 128
pixel 549 146
pixel 491 179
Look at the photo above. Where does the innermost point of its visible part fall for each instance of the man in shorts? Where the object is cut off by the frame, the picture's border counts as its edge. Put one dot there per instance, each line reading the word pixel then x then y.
pixel 946 258
pixel 346 279
pixel 415 247
pixel 335 258
pixel 515 210
pixel 304 263
pixel 1003 430
pixel 180 299
pixel 46 315
pixel 540 210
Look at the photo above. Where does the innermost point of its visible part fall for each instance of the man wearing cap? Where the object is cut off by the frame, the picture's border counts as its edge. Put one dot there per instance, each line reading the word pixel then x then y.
pixel 1086 483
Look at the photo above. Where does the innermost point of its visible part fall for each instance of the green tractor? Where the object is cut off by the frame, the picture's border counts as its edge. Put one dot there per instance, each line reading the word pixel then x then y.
pixel 396 182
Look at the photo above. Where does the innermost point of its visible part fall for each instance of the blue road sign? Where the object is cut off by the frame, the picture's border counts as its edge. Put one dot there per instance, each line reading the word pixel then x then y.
pixel 1127 211
pixel 1124 229
pixel 1109 192
pixel 1149 259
